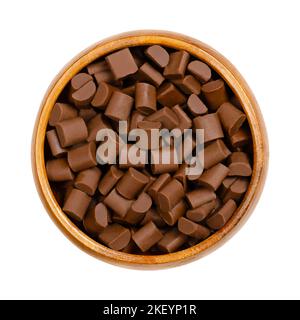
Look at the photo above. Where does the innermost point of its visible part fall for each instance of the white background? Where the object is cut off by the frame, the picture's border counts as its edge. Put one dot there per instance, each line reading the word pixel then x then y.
pixel 261 38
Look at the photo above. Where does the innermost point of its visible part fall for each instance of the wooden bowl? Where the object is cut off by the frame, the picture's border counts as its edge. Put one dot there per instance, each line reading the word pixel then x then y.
pixel 238 85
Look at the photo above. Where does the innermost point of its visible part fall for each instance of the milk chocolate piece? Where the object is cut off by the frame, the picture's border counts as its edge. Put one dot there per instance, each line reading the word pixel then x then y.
pixel 231 118
pixel 240 138
pixel 110 179
pixel 152 215
pixel 215 93
pixel 79 80
pixel 71 131
pixel 55 147
pixel 84 95
pixel 181 176
pixel 199 70
pixel 60 112
pixel 76 204
pixel 184 122
pixel 225 185
pixel 175 69
pixel 213 177
pixel 147 236
pixel 158 55
pixel 158 165
pixel 121 63
pixel 87 114
pixel 125 161
pixel 170 195
pixel 172 241
pixel 117 203
pixel 148 127
pixel 87 180
pixel 236 190
pixel 211 125
pixel 129 90
pixel 119 106
pixel 96 219
pixel 58 170
pixel 160 182
pixel 200 196
pixel 104 76
pixel 95 124
pixel 168 95
pixel 97 66
pixel 115 236
pixel 139 208
pixel 215 153
pixel 151 75
pixel 136 117
pixel 172 216
pixel 188 85
pixel 195 105
pixel 132 183
pixel 192 229
pixel 82 157
pixel 239 165
pixel 200 213
pixel 220 217
pixel 145 98
pixel 102 95
pixel 166 116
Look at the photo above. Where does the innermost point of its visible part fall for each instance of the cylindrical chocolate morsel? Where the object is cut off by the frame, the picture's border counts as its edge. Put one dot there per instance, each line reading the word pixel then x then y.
pixel 119 106
pixel 200 213
pixel 215 93
pixel 192 229
pixel 102 95
pixel 196 106
pixel 79 80
pixel 150 74
pixel 82 157
pixel 211 125
pixel 172 241
pixel 184 122
pixel 164 160
pixel 188 84
pixel 136 117
pixel 166 116
pixel 133 153
pixel 225 185
pixel 139 208
pixel 213 177
pixel 170 195
pixel 240 138
pixel 231 118
pixel 71 131
pixel 145 98
pixel 158 55
pixel 60 112
pixel 110 179
pixel 198 197
pixel 115 236
pixel 147 236
pixel 168 95
pixel 117 203
pixel 153 215
pixel 55 147
pixel 76 204
pixel 58 170
pixel 160 182
pixel 97 66
pixel 87 114
pixel 96 219
pixel 175 69
pixel 220 217
pixel 148 127
pixel 87 180
pixel 239 165
pixel 236 190
pixel 84 95
pixel 200 70
pixel 215 153
pixel 132 183
pixel 95 124
pixel 172 216
pixel 181 176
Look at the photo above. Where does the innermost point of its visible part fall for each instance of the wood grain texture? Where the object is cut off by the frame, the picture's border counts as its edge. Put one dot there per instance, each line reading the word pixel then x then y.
pixel 238 86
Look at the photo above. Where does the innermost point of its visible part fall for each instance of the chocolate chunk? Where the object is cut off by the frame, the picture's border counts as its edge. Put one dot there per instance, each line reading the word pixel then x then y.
pixel 109 180
pixel 239 165
pixel 96 219
pixel 168 95
pixel 163 160
pixel 56 149
pixel 170 195
pixel 215 93
pixel 200 213
pixel 172 216
pixel 220 217
pixel 211 125
pixel 121 63
pixel 166 116
pixel 240 138
pixel 97 66
pixel 117 203
pixel 184 122
pixel 102 95
pixel 139 208
pixel 160 182
pixel 200 70
pixel 149 74
pixel 213 177
pixel 95 124
pixel 119 106
pixel 152 215
pixel 115 236
pixel 188 85
pixel 215 153
pixel 236 190
pixel 177 65
pixel 172 241
pixel 145 98
pixel 87 114
pixel 82 157
pixel 79 80
pixel 200 196
pixel 58 170
pixel 60 112
pixel 136 117
pixel 105 76
pixel 87 180
pixel 158 55
pixel 84 95
pixel 195 106
pixel 192 229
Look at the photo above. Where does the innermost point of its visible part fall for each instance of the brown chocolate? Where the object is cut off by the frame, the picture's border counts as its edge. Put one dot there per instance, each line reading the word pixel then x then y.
pixel 97 123
pixel 96 219
pixel 102 95
pixel 117 203
pixel 145 98
pixel 220 217
pixel 172 241
pixel 149 74
pixel 119 106
pixel 240 138
pixel 158 55
pixel 215 93
pixel 213 177
pixel 79 80
pixel 184 122
pixel 200 213
pixel 188 85
pixel 192 229
pixel 56 149
pixel 200 196
pixel 97 66
pixel 195 105
pixel 84 94
pixel 139 208
pixel 58 170
pixel 236 190
pixel 110 179
pixel 60 112
pixel 172 216
pixel 147 236
pixel 176 67
pixel 163 161
pixel 76 204
pixel 104 76
pixel 215 153
pixel 71 131
pixel 168 95
pixel 170 195
pixel 166 116
pixel 87 180
pixel 211 125
pixel 82 157
pixel 200 70
pixel 121 63
pixel 239 165
pixel 160 182
pixel 136 117
pixel 115 236
pixel 87 114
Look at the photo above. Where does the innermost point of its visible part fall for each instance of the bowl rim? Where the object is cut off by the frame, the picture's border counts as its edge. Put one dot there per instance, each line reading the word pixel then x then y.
pixel 233 79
